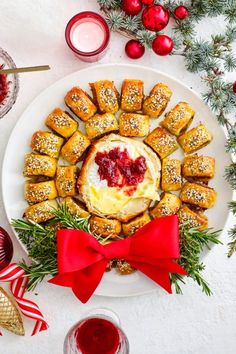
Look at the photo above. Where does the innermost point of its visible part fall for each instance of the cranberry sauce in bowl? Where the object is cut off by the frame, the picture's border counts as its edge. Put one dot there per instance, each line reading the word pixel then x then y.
pixel 9 84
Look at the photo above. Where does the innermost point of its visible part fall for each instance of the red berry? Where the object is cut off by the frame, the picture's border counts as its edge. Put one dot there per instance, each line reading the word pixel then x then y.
pixel 155 17
pixel 162 45
pixel 147 2
pixel 134 49
pixel 181 12
pixel 234 86
pixel 131 7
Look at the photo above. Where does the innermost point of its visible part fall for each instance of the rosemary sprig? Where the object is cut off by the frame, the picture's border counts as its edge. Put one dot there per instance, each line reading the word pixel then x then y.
pixel 192 243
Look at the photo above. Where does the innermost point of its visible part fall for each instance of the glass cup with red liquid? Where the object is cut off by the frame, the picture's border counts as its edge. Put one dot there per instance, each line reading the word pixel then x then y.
pixel 98 333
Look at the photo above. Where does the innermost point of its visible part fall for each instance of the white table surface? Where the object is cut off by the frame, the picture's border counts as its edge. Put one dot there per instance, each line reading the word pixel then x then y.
pixel 33 33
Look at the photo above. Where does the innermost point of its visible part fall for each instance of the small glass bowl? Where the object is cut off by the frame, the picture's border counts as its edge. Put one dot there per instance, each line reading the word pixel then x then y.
pixel 13 83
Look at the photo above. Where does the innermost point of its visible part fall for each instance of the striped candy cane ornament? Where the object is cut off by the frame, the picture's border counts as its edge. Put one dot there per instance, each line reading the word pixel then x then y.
pixel 18 280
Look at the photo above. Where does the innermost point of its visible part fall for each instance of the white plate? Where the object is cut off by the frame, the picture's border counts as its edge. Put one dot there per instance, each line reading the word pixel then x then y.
pixel 33 119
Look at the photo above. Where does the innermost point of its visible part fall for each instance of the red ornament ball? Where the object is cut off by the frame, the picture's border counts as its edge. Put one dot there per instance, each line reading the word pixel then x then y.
pixel 134 49
pixel 181 12
pixel 6 249
pixel 147 2
pixel 155 17
pixel 131 7
pixel 234 86
pixel 162 45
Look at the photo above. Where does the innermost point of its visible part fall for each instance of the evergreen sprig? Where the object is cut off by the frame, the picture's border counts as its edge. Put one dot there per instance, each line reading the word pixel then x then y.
pixel 210 59
pixel 192 243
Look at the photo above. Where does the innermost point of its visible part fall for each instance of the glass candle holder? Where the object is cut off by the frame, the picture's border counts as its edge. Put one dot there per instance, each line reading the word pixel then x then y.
pixel 87 35
pixel 98 333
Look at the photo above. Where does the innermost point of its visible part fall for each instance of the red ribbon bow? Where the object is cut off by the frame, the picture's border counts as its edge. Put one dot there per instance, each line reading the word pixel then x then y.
pixel 82 260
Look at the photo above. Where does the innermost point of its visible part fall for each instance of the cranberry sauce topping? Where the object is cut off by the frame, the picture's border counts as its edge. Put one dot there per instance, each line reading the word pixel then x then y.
pixel 118 169
pixel 3 87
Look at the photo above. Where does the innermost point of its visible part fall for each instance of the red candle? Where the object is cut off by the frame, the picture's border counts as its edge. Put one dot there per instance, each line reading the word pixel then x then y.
pixel 88 35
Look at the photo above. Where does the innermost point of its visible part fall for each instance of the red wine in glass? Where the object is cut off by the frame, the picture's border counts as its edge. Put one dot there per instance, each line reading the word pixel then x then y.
pixel 97 334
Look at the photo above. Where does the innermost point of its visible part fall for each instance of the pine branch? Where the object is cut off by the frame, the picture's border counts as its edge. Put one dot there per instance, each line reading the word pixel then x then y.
pixel 232 244
pixel 230 174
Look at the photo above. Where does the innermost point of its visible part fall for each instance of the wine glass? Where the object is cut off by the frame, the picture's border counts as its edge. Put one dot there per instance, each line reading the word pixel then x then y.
pixel 98 332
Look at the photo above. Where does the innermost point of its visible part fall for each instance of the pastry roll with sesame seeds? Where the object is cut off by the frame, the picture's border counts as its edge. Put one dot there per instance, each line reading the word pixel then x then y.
pixel 74 207
pixel 80 103
pixel 66 179
pixel 38 192
pixel 101 124
pixel 105 227
pixel 168 205
pixel 133 124
pixel 191 218
pixel 39 165
pixel 171 179
pixel 75 147
pixel 200 168
pixel 178 119
pixel 134 225
pixel 47 143
pixel 195 139
pixel 124 268
pixel 61 123
pixel 199 195
pixel 162 142
pixel 132 95
pixel 41 212
pixel 159 97
pixel 106 96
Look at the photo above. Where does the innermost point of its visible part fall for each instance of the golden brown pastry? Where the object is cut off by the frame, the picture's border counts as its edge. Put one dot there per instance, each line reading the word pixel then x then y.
pixel 75 207
pixel 75 147
pixel 124 268
pixel 61 123
pixel 133 124
pixel 171 179
pixel 66 179
pixel 198 167
pixel 132 95
pixel 101 124
pixel 162 142
pixel 168 205
pixel 178 119
pixel 105 227
pixel 41 212
pixel 39 165
pixel 156 102
pixel 134 225
pixel 46 143
pixel 38 192
pixel 106 96
pixel 191 218
pixel 195 139
pixel 199 195
pixel 80 103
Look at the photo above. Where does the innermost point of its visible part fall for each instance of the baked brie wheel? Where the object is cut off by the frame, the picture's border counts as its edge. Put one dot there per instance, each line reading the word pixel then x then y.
pixel 106 96
pixel 119 178
pixel 178 119
pixel 158 99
